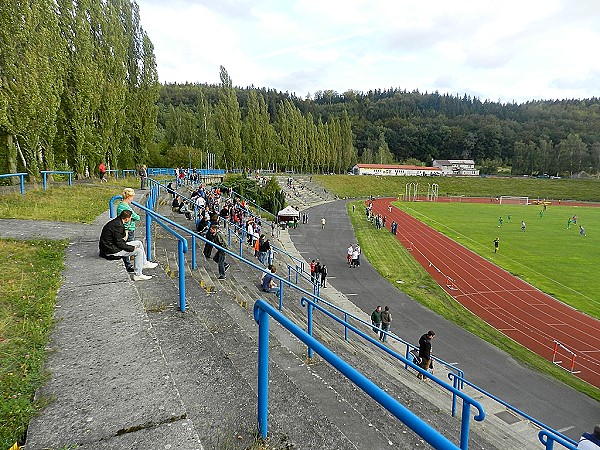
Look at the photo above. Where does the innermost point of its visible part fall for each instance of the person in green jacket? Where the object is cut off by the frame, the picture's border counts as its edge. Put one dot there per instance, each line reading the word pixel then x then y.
pixel 376 319
pixel 125 204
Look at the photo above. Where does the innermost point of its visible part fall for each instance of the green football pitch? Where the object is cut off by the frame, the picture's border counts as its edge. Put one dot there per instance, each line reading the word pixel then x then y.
pixel 548 254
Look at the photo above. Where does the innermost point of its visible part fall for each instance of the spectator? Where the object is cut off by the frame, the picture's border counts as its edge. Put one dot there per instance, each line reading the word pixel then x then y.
pixel 219 239
pixel 425 351
pixel 112 245
pixel 590 441
pixel 125 204
pixel 143 177
pixel 323 275
pixel 386 322
pixel 376 319
pixel 268 283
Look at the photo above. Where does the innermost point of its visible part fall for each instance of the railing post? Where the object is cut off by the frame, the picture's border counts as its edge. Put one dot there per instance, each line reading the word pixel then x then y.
pixel 22 184
pixel 309 326
pixel 263 372
pixel 290 274
pixel 148 237
pixel 281 296
pixel 194 265
pixel 345 326
pixel 44 180
pixel 464 426
pixel 454 397
pixel 181 276
pixel 296 274
pixel 229 236
pixel 70 178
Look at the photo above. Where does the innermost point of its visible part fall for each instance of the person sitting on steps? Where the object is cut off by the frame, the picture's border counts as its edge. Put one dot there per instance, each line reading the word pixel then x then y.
pixel 113 246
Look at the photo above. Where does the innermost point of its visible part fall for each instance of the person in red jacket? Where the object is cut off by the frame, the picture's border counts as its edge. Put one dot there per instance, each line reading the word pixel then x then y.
pixel 102 170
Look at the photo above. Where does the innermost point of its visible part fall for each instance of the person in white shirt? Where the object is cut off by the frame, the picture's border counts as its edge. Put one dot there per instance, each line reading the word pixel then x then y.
pixel 590 441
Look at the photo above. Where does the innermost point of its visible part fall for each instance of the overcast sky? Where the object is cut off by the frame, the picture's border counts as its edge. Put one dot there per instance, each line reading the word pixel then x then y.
pixel 509 50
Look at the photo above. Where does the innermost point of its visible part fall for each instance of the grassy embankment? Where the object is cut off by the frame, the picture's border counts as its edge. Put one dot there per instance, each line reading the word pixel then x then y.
pixel 394 262
pixel 30 274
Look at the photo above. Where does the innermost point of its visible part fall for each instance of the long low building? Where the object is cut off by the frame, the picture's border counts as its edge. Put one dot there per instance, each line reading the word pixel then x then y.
pixel 395 170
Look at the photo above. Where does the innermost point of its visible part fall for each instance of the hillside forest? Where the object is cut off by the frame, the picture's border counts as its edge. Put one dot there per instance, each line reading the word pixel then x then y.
pixel 79 86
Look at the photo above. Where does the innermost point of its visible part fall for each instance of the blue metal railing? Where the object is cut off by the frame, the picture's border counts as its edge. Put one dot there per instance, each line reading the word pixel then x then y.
pixel 555 435
pixel 45 173
pixel 547 439
pixel 262 312
pixel 21 176
pixel 125 172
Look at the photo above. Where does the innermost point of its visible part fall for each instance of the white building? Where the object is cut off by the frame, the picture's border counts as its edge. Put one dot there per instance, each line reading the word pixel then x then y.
pixel 395 170
pixel 459 167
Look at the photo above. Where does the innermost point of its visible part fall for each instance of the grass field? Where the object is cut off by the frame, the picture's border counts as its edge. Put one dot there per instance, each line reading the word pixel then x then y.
pixel 350 186
pixel 549 256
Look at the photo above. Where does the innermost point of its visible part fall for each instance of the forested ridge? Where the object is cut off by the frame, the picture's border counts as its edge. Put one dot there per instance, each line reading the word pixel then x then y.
pixel 78 86
pixel 555 137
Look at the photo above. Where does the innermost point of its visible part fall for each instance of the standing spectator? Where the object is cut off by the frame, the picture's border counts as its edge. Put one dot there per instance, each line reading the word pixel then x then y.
pixel 318 272
pixel 218 238
pixel 349 255
pixel 128 195
pixel 358 252
pixel 102 170
pixel 386 322
pixel 376 319
pixel 112 245
pixel 312 271
pixel 323 223
pixel 590 441
pixel 323 275
pixel 143 177
pixel 355 262
pixel 496 244
pixel 425 352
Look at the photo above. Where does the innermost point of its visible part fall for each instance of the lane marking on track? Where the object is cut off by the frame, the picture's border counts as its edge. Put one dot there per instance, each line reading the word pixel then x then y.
pixel 350 294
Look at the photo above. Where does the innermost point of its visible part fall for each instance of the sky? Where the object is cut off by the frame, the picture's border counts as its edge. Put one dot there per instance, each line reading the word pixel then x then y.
pixel 514 50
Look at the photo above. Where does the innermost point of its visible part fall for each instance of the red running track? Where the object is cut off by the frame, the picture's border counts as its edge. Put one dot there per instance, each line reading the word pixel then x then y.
pixel 512 306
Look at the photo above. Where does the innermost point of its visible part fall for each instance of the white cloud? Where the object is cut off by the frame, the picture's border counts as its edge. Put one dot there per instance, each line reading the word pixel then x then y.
pixel 509 50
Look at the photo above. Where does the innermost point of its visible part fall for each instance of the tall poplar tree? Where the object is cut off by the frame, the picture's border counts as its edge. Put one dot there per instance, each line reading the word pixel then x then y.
pixel 228 122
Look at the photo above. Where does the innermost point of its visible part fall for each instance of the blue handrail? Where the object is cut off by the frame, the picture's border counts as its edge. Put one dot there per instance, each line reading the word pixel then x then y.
pixel 21 176
pixel 262 311
pixel 555 435
pixel 46 172
pixel 548 439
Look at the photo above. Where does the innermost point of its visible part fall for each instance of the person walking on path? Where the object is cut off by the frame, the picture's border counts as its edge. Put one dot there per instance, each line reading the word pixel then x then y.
pixel 349 255
pixel 496 244
pixel 125 204
pixel 323 223
pixel 143 177
pixel 386 321
pixel 425 352
pixel 590 441
pixel 102 170
pixel 112 245
pixel 376 319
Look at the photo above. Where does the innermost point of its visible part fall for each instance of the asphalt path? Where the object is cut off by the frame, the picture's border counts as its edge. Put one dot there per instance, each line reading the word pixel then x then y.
pixel 539 396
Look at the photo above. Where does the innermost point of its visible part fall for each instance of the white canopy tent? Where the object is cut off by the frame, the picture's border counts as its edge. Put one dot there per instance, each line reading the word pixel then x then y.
pixel 288 214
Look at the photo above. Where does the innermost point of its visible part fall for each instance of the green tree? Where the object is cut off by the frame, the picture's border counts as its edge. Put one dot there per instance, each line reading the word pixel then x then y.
pixel 228 122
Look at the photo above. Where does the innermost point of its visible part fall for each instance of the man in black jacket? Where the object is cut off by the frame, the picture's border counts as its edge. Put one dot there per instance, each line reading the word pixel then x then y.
pixel 425 351
pixel 113 245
